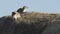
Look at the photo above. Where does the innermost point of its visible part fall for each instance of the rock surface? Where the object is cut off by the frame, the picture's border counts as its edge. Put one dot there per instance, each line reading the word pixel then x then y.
pixel 31 23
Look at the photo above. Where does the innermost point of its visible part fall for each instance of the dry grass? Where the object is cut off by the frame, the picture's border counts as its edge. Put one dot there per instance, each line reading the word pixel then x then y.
pixel 35 16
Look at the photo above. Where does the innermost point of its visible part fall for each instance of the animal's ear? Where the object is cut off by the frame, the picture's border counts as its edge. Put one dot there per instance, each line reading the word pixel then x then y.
pixel 13 13
pixel 25 7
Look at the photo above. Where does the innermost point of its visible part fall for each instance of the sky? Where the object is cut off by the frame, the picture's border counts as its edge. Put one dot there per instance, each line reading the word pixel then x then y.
pixel 9 6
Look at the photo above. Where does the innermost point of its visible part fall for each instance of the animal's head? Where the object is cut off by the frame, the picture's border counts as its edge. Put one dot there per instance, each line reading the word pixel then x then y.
pixel 15 15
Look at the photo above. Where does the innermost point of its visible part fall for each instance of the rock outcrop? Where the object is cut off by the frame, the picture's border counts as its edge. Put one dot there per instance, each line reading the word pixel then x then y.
pixel 31 23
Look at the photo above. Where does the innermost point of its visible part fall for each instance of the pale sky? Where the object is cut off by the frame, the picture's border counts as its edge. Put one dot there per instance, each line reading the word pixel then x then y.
pixel 50 6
